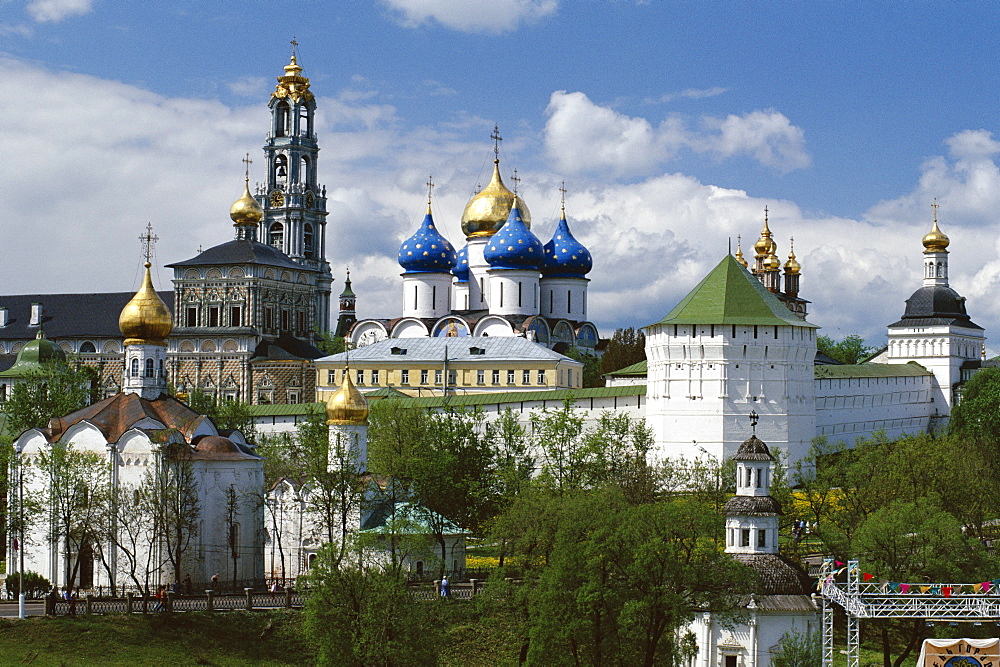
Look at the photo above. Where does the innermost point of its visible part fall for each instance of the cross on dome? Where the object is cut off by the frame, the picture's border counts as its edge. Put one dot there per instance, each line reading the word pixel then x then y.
pixel 148 240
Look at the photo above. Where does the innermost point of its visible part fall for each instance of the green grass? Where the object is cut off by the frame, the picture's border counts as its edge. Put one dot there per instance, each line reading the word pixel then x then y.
pixel 230 638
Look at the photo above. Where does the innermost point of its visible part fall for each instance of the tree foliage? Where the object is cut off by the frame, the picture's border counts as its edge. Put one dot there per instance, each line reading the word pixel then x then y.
pixel 849 350
pixel 56 390
pixel 592 373
pixel 626 347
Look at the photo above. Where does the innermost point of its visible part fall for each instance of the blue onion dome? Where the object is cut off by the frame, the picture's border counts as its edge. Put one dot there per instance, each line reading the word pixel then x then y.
pixel 514 246
pixel 427 251
pixel 564 255
pixel 461 270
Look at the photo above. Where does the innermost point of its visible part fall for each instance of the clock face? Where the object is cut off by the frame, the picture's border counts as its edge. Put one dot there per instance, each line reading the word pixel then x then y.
pixel 277 198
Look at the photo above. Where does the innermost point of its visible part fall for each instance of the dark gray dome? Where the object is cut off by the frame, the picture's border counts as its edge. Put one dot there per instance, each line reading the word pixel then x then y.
pixel 936 304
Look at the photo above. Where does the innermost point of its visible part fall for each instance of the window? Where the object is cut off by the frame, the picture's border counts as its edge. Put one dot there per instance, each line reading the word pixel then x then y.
pixel 496 376
pixel 510 377
pixel 134 368
pixel 404 376
pixel 285 320
pixel 452 378
pixel 477 351
pixel 235 316
pixel 307 241
pixel 293 396
pixel 88 348
pixel 745 537
pixel 374 377
pixel 331 377
pixel 302 321
pixel 569 301
pixel 541 377
pixel 480 377
pixel 398 350
pixel 268 318
pixel 361 377
pixel 423 376
pixel 163 371
pixel 191 319
pixel 437 377
pixel 276 236
pixel 213 316
pixel 526 377
pixel 761 538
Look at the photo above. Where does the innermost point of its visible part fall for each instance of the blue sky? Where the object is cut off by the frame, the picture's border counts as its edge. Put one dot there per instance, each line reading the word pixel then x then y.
pixel 672 123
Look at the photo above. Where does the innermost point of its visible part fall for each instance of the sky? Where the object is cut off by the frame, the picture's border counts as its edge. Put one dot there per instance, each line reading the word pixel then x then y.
pixel 672 124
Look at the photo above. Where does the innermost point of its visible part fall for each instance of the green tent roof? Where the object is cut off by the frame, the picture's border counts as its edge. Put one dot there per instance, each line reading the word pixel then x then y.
pixel 730 294
pixel 34 356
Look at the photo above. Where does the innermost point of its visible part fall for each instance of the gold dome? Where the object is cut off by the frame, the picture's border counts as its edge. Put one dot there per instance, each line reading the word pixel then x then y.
pixel 936 240
pixel 347 405
pixel 293 84
pixel 792 266
pixel 246 210
pixel 739 254
pixel 487 211
pixel 765 245
pixel 772 263
pixel 145 319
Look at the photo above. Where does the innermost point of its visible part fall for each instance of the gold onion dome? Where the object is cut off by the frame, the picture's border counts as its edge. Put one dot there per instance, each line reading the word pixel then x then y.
pixel 765 245
pixel 246 210
pixel 145 319
pixel 936 240
pixel 347 405
pixel 293 84
pixel 792 266
pixel 739 255
pixel 772 263
pixel 489 209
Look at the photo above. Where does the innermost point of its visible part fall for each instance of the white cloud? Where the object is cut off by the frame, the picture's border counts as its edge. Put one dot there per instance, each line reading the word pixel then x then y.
pixel 476 16
pixel 582 136
pixel 249 86
pixel 693 94
pixel 51 11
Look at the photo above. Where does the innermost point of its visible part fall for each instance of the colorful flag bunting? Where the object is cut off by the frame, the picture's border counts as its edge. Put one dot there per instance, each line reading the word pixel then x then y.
pixel 905 588
pixel 867 577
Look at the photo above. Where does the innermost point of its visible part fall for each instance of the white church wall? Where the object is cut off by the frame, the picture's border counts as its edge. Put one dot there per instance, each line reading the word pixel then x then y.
pixel 848 409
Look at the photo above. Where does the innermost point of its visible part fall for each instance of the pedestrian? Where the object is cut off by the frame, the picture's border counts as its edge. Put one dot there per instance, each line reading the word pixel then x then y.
pixel 175 588
pixel 187 584
pixel 444 586
pixel 215 581
pixel 160 594
pixel 52 598
pixel 71 599
pixel 274 590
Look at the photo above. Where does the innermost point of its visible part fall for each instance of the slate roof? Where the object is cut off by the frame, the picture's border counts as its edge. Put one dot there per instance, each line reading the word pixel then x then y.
pixel 242 251
pixel 934 306
pixel 507 348
pixel 752 506
pixel 777 574
pixel 93 315
pixel 753 449
pixel 285 348
pixel 730 294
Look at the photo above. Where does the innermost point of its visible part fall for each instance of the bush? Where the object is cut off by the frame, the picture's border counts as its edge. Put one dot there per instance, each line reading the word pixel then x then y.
pixel 35 585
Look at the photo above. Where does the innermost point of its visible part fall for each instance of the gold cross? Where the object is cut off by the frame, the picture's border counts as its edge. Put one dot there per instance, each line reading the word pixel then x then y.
pixel 935 206
pixel 516 180
pixel 496 141
pixel 562 189
pixel 294 46
pixel 430 188
pixel 148 240
pixel 765 214
pixel 247 161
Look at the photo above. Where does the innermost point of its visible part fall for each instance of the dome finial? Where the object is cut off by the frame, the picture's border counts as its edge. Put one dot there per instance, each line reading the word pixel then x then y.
pixel 792 265
pixel 516 180
pixel 562 199
pixel 488 209
pixel 739 251
pixel 245 211
pixel 145 319
pixel 430 191
pixel 765 245
pixel 347 405
pixel 496 143
pixel 935 240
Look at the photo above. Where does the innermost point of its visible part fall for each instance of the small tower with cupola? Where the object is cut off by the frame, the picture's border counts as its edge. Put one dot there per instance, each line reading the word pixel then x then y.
pixel 767 266
pixel 935 330
pixel 427 259
pixel 145 322
pixel 347 417
pixel 514 255
pixel 293 201
pixel 564 273
pixel 348 301
pixel 752 514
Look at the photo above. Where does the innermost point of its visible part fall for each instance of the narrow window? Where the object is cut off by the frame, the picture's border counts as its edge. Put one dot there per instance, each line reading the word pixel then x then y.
pixel 434 297
pixel 453 378
pixel 755 331
pixel 191 319
pixel 551 305
pixel 150 368
pixel 437 377
pixel 480 377
pixel 331 377
pixel 163 371
pixel 213 316
pixel 134 370
pixel 569 301
pixel 734 331
pixel 482 292
pixel 235 316
pixel 307 242
pixel 423 376
pixel 541 377
pixel 415 293
pixel 761 538
pixel 404 376
pixel 501 295
pixel 745 537
pixel 361 377
pixel 526 377
pixel 285 320
pixel 519 290
pixel 268 318
pixel 496 376
pixel 510 377
pixel 302 321
pixel 374 377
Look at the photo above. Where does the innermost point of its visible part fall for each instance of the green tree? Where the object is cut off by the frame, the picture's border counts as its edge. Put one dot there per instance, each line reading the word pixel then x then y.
pixel 361 613
pixel 799 649
pixel 976 418
pixel 226 414
pixel 54 391
pixel 592 373
pixel 850 350
pixel 626 347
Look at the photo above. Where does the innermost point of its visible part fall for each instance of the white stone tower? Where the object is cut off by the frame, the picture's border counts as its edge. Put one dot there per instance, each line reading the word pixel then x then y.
pixel 729 347
pixel 145 323
pixel 752 514
pixel 935 330
pixel 347 417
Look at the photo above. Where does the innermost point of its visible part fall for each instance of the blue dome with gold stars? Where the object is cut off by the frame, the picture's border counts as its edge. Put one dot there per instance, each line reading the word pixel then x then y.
pixel 514 246
pixel 427 251
pixel 565 257
pixel 461 270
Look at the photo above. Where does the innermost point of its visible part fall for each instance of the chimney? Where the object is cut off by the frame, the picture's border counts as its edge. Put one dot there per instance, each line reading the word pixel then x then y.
pixel 36 315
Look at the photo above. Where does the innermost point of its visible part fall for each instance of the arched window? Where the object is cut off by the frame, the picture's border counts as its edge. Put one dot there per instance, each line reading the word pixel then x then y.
pixel 134 370
pixel 305 121
pixel 88 348
pixel 276 235
pixel 307 241
pixel 281 119
pixel 280 168
pixel 150 367
pixel 304 170
pixel 163 371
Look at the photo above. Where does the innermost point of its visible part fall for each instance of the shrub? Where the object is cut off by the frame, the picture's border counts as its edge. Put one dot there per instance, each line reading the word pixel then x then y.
pixel 35 585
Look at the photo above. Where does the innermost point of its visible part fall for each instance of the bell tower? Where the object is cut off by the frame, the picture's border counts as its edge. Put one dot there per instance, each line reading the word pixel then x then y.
pixel 294 202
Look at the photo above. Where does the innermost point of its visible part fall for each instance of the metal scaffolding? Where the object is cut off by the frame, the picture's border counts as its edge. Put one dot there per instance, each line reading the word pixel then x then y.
pixel 871 599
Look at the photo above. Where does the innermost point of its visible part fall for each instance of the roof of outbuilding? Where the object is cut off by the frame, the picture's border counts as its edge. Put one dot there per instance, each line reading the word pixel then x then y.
pixel 752 506
pixel 242 251
pixel 909 369
pixel 730 294
pixel 777 574
pixel 69 315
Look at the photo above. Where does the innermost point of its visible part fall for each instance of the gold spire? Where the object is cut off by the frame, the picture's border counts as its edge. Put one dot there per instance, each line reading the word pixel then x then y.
pixel 792 266
pixel 347 405
pixel 293 84
pixel 765 245
pixel 430 191
pixel 488 209
pixel 246 210
pixel 145 319
pixel 739 252
pixel 935 240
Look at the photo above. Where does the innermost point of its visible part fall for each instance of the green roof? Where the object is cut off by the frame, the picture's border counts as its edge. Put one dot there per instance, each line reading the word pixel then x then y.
pixel 730 294
pixel 492 398
pixel 910 369
pixel 283 409
pixel 386 392
pixel 638 368
pixel 34 356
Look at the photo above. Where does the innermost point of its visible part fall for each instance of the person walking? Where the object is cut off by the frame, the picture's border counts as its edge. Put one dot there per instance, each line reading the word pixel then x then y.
pixel 444 586
pixel 160 594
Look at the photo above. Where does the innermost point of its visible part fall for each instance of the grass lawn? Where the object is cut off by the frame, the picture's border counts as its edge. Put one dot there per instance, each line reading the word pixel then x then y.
pixel 229 638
